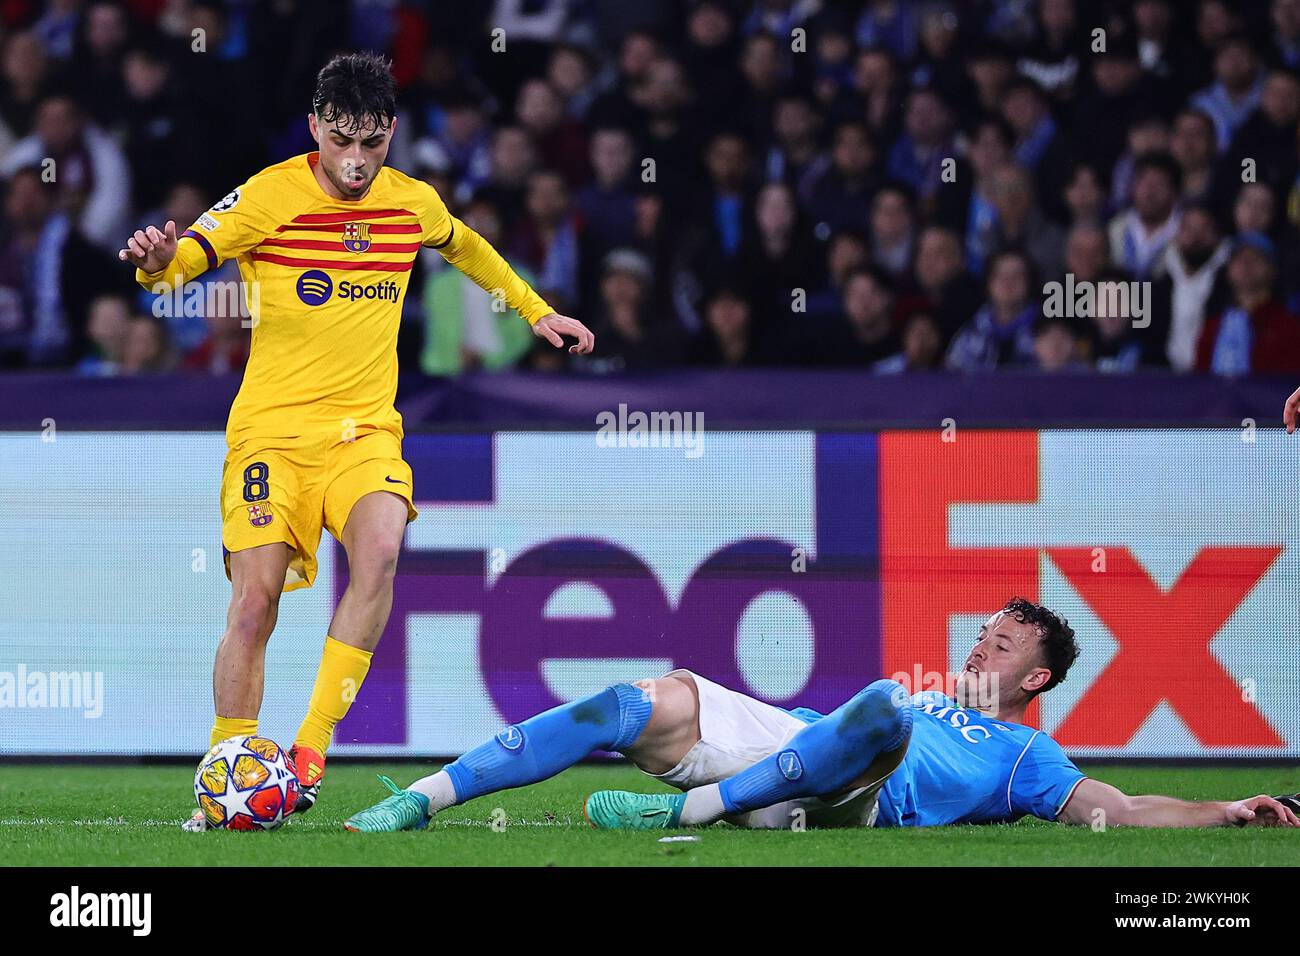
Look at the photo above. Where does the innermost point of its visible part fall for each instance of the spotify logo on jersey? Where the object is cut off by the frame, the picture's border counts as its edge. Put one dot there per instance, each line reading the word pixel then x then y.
pixel 314 287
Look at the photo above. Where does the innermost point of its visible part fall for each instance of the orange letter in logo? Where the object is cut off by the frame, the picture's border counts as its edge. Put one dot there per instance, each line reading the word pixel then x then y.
pixel 924 580
pixel 1164 648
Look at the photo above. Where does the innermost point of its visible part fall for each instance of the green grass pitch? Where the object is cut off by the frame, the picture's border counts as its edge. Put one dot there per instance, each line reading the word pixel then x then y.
pixel 68 815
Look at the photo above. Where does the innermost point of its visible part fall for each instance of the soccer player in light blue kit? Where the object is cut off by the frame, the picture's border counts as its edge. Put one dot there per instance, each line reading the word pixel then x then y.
pixel 882 759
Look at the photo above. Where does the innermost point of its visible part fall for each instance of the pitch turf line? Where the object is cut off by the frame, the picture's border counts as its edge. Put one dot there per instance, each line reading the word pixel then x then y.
pixel 62 815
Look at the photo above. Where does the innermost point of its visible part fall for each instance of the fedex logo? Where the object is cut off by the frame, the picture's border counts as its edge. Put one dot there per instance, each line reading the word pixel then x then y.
pixel 798 567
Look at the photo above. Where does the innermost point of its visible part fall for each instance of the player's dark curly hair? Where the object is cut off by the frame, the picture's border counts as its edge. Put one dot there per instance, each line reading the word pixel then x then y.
pixel 1055 634
pixel 357 88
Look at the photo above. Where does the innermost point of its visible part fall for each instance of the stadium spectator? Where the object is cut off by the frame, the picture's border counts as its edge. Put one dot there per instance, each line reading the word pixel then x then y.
pixel 949 292
pixel 1238 86
pixel 846 253
pixel 106 329
pixel 57 28
pixel 832 54
pixel 569 71
pixel 918 156
pixel 1085 196
pixel 1158 54
pixel 711 51
pixel 763 70
pixel 667 132
pixel 1117 93
pixel 1039 145
pixel 147 350
pixel 49 274
pixel 26 71
pixel 631 338
pixel 990 67
pixel 615 106
pixel 893 229
pixel 1267 138
pixel 513 159
pixel 224 350
pixel 1056 345
pixel 939 62
pixel 85 164
pixel 1187 292
pixel 1216 23
pixel 711 236
pixel 794 150
pixel 1254 209
pixel 878 91
pixel 989 151
pixel 1087 252
pixel 725 339
pixel 1001 333
pixel 1147 134
pixel 561 140
pixel 1192 145
pixel 922 350
pixel 546 239
pixel 1116 343
pixel 1138 235
pixel 464 138
pixel 1285 18
pixel 890 24
pixel 608 203
pixel 866 334
pixel 465 326
pixel 1052 59
pixel 1019 224
pixel 1257 210
pixel 157 131
pixel 1255 333
pixel 101 44
pixel 781 262
pixel 838 194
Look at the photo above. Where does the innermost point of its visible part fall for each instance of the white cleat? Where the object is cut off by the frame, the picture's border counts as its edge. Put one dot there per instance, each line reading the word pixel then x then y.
pixel 197 823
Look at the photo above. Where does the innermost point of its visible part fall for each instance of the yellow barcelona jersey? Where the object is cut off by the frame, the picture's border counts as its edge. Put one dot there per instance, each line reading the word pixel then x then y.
pixel 324 280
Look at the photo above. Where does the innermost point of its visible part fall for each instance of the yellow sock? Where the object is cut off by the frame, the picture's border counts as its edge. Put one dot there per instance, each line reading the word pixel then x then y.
pixel 342 669
pixel 226 727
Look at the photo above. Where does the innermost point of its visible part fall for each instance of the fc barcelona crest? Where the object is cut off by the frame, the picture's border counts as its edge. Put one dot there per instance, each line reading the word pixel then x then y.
pixel 259 516
pixel 356 236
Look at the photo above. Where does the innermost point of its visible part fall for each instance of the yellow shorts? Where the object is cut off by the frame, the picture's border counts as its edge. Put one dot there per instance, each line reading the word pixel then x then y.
pixel 287 489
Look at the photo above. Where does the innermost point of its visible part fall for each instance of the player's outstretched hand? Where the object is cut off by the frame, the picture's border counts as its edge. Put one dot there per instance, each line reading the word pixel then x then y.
pixel 1261 811
pixel 151 249
pixel 552 327
pixel 1289 411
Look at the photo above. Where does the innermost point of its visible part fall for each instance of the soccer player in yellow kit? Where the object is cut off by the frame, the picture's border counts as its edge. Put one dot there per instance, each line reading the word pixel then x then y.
pixel 325 243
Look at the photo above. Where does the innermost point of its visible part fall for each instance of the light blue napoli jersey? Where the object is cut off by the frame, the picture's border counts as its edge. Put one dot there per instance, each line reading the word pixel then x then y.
pixel 964 767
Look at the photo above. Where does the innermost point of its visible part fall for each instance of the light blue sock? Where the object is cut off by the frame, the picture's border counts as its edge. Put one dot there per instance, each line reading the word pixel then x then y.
pixel 542 746
pixel 828 755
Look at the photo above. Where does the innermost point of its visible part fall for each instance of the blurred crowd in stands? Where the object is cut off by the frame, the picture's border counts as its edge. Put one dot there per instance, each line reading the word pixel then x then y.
pixel 879 184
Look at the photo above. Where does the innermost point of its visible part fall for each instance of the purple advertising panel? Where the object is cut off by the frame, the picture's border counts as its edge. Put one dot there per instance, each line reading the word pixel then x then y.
pixel 754 562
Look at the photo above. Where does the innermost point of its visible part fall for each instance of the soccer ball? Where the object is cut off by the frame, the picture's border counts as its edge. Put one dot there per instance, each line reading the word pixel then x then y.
pixel 246 783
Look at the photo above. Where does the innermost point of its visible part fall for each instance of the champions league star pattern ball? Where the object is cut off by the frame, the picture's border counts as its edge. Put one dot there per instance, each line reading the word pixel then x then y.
pixel 246 783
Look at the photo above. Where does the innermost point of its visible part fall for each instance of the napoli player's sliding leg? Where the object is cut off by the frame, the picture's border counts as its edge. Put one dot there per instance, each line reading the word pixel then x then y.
pixel 855 747
pixel 653 722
